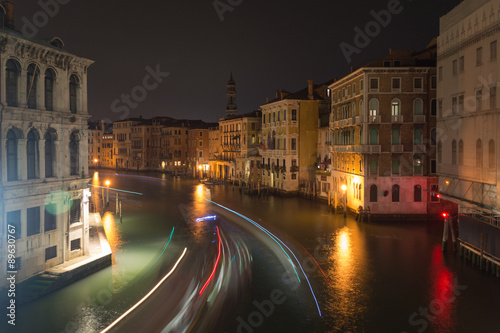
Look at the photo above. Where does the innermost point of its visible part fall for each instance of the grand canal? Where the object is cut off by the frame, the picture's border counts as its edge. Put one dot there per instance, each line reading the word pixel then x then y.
pixel 354 277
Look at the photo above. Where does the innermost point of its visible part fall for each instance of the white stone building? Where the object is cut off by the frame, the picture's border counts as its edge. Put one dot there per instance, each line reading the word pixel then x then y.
pixel 468 113
pixel 44 151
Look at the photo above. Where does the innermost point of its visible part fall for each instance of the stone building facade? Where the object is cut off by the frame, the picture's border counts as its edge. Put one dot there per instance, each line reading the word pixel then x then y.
pixel 44 151
pixel 289 139
pixel 383 134
pixel 468 112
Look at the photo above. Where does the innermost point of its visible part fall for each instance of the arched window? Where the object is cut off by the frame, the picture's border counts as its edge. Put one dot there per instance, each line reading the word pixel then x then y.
pixel 395 193
pixel 12 79
pixel 395 166
pixel 396 107
pixel 49 89
pixel 491 154
pixel 440 152
pixel 361 110
pixel 373 107
pixel 73 93
pixel 417 136
pixel 396 136
pixel 479 154
pixel 50 154
pixel 353 109
pixel 460 152
pixel 32 154
pixel 74 151
pixel 373 136
pixel 274 140
pixel 417 193
pixel 417 165
pixel 418 106
pixel 434 107
pixel 31 86
pixel 373 167
pixel 373 193
pixel 433 137
pixel 12 172
pixel 253 139
pixel 454 152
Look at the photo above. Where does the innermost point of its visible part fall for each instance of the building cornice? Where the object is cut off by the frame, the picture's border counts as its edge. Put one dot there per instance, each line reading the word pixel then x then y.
pixel 28 50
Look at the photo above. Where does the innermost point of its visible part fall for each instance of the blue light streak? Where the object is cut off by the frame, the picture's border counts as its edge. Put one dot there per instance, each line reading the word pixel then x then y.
pixel 263 229
pixel 132 176
pixel 276 238
pixel 169 239
pixel 115 189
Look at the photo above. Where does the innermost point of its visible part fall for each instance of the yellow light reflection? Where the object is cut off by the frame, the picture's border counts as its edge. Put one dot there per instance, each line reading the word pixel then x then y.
pixel 200 192
pixel 95 178
pixel 112 233
pixel 344 240
pixel 346 289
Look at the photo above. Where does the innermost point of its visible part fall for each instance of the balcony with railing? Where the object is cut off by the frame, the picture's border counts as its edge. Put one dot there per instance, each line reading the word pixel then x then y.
pixel 419 118
pixel 374 119
pixel 397 119
pixel 334 124
pixel 397 148
pixel 419 149
pixel 342 149
pixel 371 149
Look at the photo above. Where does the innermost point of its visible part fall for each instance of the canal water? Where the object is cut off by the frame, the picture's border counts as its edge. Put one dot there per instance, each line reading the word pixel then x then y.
pixel 384 277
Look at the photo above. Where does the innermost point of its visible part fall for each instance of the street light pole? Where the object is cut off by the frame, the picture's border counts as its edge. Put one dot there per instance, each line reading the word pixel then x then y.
pixel 107 192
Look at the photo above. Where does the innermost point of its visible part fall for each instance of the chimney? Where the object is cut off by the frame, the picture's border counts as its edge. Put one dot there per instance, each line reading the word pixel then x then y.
pixel 310 91
pixel 277 94
pixel 103 125
pixel 9 13
pixel 267 100
pixel 391 50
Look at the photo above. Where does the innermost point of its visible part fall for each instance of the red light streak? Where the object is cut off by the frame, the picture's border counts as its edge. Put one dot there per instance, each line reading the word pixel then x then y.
pixel 316 263
pixel 215 267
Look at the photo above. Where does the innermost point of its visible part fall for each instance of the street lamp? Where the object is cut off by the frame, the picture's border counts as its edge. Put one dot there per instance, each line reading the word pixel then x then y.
pixel 107 192
pixel 344 188
pixel 95 163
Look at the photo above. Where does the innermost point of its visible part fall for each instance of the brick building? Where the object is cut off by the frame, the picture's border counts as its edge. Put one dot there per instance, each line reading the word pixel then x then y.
pixel 383 135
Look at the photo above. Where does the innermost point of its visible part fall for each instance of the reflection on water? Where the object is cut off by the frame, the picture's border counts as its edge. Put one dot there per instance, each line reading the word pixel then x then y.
pixel 347 291
pixel 113 234
pixel 442 305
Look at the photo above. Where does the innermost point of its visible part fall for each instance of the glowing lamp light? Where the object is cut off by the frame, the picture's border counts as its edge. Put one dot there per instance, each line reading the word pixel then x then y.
pixel 107 182
pixel 200 167
pixel 445 215
pixel 95 160
pixel 438 196
pixel 344 187
pixel 447 182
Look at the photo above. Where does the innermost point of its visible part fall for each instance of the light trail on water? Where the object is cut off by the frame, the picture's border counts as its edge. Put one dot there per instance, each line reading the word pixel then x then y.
pixel 113 324
pixel 216 264
pixel 275 238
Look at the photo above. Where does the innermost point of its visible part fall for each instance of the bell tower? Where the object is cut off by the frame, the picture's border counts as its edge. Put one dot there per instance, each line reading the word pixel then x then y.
pixel 231 107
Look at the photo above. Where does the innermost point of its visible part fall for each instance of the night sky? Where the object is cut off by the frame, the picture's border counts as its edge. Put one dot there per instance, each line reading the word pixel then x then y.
pixel 269 45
